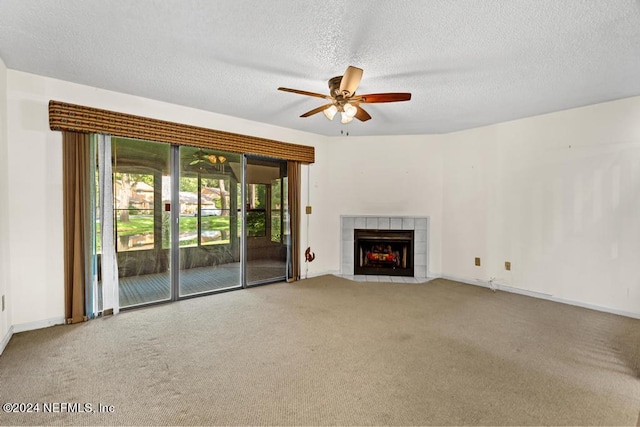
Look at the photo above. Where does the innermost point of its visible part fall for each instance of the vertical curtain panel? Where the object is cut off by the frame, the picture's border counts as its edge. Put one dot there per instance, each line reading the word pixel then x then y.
pixel 293 176
pixel 76 200
pixel 110 298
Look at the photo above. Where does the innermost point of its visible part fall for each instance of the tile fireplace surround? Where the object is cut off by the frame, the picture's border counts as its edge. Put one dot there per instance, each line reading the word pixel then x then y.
pixel 420 225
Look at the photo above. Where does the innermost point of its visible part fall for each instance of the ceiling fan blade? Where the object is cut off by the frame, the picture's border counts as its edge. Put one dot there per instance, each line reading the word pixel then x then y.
pixel 316 110
pixel 351 80
pixel 383 97
pixel 362 115
pixel 304 92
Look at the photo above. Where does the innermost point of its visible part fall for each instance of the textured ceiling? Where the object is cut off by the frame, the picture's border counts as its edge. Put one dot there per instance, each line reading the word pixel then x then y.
pixel 467 63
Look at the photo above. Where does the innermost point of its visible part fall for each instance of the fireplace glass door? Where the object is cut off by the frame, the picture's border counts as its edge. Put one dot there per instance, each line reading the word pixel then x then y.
pixel 383 252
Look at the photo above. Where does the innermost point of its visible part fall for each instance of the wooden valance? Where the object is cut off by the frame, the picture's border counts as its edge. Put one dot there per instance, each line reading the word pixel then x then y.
pixel 77 118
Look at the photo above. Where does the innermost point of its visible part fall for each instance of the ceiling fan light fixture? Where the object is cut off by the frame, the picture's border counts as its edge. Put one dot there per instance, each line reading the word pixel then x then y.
pixel 342 97
pixel 330 112
pixel 346 118
pixel 350 110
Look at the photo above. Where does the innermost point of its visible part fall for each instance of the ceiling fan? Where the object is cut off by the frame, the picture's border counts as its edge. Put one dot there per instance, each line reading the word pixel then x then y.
pixel 205 162
pixel 343 98
pixel 201 157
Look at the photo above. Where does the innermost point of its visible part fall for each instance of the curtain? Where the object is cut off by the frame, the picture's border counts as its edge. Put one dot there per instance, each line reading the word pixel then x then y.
pixel 76 160
pixel 91 272
pixel 293 264
pixel 110 297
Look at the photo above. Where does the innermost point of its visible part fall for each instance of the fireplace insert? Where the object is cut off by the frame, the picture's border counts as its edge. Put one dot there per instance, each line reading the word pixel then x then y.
pixel 383 252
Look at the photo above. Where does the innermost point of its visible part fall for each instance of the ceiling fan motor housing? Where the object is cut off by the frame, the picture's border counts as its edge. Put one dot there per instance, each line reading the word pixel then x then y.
pixel 334 85
pixel 340 99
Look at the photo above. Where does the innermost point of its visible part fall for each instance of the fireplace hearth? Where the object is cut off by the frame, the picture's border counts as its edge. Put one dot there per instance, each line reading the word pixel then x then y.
pixel 383 252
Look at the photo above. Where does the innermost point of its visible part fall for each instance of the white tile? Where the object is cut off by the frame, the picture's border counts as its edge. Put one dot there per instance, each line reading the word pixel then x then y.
pixel 421 223
pixel 383 223
pixel 348 222
pixel 420 235
pixel 360 222
pixel 347 269
pixel 372 223
pixel 347 254
pixel 419 271
pixel 395 224
pixel 420 260
pixel 408 223
pixel 419 248
pixel 347 235
pixel 391 279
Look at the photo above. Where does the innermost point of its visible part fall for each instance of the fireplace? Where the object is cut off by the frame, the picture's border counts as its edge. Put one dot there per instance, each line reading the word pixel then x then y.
pixel 383 252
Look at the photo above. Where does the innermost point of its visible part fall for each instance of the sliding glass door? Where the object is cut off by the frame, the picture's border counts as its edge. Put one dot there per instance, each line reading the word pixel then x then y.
pixel 191 221
pixel 209 242
pixel 141 196
pixel 266 229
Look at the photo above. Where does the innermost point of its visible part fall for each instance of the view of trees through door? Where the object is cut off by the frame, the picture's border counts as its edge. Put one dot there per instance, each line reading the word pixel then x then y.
pixel 178 215
pixel 209 242
pixel 141 190
pixel 266 213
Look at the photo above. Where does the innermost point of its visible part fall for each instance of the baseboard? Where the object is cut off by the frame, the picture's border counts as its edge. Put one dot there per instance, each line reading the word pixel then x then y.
pixel 541 295
pixel 320 273
pixel 22 327
pixel 6 339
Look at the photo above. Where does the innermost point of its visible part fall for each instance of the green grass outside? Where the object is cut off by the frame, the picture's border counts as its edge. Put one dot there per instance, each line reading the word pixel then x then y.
pixel 144 224
pixel 140 225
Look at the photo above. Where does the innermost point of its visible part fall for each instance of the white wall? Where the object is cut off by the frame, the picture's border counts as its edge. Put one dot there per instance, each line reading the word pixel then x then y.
pixel 558 195
pixel 386 176
pixel 35 181
pixel 5 317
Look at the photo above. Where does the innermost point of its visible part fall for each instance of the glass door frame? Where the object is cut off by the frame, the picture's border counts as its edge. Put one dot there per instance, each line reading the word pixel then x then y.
pixel 175 222
pixel 243 227
pixel 241 215
pixel 268 218
pixel 176 170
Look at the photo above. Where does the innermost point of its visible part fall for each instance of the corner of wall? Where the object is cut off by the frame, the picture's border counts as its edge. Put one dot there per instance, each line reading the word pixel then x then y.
pixel 5 318
pixel 5 340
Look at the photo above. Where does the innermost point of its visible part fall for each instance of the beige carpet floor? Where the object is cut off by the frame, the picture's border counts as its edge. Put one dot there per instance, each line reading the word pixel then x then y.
pixel 329 351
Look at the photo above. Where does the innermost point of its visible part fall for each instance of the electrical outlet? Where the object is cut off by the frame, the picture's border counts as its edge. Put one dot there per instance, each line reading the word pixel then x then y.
pixel 308 210
pixel 478 261
pixel 507 265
